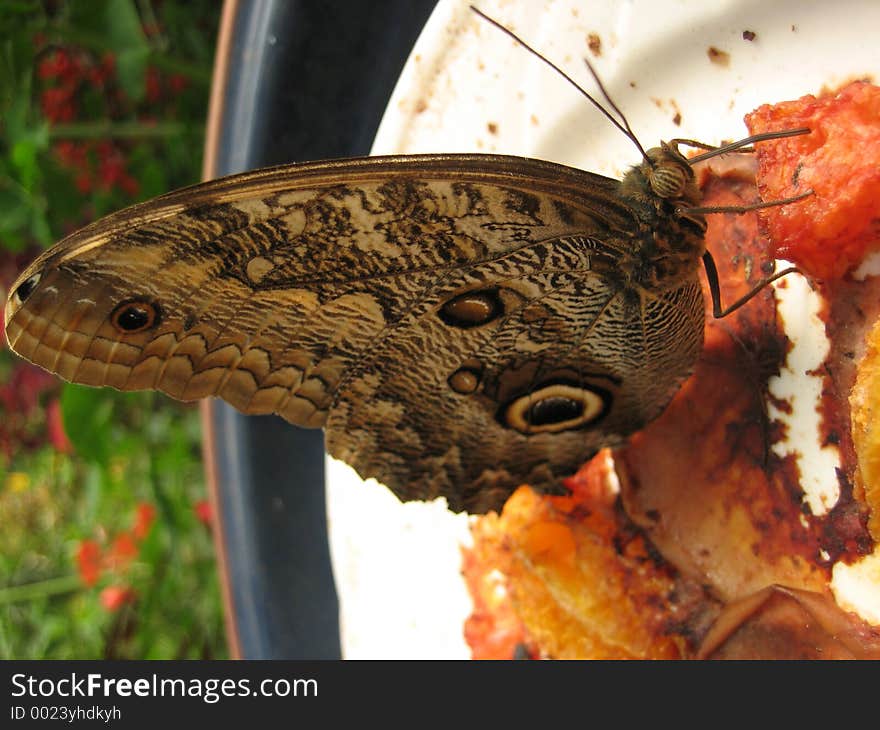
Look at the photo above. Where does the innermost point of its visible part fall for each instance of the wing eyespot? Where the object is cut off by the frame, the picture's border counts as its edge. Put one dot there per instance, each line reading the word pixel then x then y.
pixel 556 407
pixel 472 309
pixel 466 379
pixel 134 315
pixel 26 288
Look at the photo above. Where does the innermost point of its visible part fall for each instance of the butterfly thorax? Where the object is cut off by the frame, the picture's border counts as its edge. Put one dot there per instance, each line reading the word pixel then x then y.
pixel 671 239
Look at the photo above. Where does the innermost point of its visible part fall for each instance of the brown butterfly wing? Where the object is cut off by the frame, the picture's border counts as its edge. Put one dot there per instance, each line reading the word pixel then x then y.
pixel 458 323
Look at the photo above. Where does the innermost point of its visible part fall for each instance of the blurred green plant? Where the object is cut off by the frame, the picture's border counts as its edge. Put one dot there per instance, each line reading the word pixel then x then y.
pixel 105 547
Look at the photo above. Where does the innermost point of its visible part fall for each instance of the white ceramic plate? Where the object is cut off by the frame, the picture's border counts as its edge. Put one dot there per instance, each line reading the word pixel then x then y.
pixel 469 88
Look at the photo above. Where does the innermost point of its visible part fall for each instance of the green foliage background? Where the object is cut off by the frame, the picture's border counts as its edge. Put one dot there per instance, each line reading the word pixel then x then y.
pixel 135 134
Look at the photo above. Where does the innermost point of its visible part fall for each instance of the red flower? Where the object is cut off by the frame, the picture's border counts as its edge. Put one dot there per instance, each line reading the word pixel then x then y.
pixel 55 427
pixel 129 185
pixel 88 560
pixel 47 68
pixel 83 182
pixel 105 149
pixel 108 62
pixel 111 170
pixel 153 85
pixel 58 104
pixel 115 597
pixel 101 73
pixel 22 393
pixel 203 511
pixel 177 83
pixel 71 154
pixel 122 551
pixel 143 521
pixel 58 64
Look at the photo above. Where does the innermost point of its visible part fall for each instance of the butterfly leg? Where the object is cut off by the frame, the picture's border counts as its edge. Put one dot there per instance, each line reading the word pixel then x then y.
pixel 718 310
pixel 739 209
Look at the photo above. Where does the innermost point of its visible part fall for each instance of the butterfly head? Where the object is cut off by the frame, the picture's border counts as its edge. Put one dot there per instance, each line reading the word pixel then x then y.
pixel 668 173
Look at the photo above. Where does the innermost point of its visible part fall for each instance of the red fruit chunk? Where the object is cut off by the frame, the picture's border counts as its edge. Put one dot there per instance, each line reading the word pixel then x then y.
pixel 829 233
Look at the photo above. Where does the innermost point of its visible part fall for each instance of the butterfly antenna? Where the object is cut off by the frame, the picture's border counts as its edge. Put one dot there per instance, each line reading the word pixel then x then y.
pixel 628 131
pixel 740 145
pixel 624 127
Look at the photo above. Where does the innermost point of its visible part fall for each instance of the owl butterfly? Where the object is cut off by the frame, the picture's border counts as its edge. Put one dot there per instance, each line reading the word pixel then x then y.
pixel 459 324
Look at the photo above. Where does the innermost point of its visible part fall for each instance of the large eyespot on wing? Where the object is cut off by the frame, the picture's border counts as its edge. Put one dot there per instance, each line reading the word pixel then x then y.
pixel 555 407
pixel 133 316
pixel 472 309
pixel 22 291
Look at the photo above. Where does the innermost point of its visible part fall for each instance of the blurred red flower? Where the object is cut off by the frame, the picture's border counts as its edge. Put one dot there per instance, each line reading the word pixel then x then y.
pixel 71 154
pixel 143 521
pixel 177 83
pixel 22 391
pixel 123 550
pixel 92 560
pixel 58 104
pixel 100 74
pixel 55 427
pixel 112 170
pixel 115 597
pixel 153 85
pixel 58 64
pixel 88 560
pixel 203 511
pixel 83 182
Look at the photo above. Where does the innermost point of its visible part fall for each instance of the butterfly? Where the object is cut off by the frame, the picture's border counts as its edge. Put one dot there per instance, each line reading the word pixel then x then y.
pixel 459 324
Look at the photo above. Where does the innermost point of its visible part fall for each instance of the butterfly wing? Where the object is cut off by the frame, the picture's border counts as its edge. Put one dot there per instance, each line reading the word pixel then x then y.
pixel 459 324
